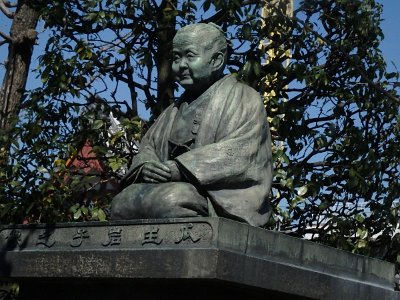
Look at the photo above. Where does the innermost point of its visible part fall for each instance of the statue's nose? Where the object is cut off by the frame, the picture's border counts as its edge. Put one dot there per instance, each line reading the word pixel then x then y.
pixel 183 63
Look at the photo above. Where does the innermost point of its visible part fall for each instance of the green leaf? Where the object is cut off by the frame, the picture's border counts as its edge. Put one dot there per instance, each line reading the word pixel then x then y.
pixel 246 32
pixel 362 244
pixel 257 68
pixel 101 215
pixel 97 124
pixel 5 208
pixel 84 210
pixel 42 169
pixel 302 191
pixel 206 5
pixel 77 214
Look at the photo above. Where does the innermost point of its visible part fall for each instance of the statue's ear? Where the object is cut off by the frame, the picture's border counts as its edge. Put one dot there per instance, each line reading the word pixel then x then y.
pixel 218 61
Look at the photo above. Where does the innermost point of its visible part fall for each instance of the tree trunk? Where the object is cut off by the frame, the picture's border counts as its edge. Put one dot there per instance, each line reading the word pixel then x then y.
pixel 23 37
pixel 165 34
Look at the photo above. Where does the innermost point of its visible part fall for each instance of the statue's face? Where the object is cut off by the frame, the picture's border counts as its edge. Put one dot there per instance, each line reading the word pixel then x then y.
pixel 192 62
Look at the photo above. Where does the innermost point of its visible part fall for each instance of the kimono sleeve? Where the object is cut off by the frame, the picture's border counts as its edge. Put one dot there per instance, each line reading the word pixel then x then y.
pixel 152 147
pixel 241 149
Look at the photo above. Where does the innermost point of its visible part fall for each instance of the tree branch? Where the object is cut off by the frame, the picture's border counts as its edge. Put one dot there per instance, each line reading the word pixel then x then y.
pixel 7 38
pixel 3 7
pixel 9 4
pixel 320 119
pixel 217 18
pixel 357 67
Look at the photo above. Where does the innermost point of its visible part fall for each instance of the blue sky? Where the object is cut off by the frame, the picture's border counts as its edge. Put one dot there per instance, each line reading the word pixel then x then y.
pixel 390 46
pixel 391 28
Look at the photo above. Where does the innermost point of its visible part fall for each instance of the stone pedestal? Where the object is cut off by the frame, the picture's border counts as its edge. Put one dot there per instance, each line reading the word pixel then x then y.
pixel 197 258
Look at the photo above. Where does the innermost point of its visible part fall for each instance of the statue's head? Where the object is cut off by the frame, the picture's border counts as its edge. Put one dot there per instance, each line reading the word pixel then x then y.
pixel 199 56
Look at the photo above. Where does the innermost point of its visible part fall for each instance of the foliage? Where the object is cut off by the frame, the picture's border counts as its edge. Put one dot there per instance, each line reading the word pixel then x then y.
pixel 338 160
pixel 333 109
pixel 8 290
pixel 46 181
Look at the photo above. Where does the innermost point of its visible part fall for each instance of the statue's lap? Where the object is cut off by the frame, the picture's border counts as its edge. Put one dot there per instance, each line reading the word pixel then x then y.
pixel 161 200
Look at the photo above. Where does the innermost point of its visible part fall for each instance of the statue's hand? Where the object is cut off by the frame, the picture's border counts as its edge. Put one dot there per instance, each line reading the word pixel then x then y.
pixel 175 173
pixel 155 172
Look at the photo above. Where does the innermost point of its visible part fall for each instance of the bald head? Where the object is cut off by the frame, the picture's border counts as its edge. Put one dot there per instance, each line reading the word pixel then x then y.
pixel 199 56
pixel 209 35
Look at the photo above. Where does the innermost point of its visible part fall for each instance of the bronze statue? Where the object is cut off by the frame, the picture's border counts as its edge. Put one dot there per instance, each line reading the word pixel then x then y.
pixel 208 154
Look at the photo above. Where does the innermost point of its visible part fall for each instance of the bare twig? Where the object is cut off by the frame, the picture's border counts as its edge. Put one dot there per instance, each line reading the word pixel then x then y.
pixel 3 7
pixel 9 4
pixel 7 38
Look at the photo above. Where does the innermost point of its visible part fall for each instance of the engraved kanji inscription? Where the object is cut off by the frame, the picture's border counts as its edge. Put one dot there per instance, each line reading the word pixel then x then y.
pixel 114 237
pixel 44 239
pixel 151 236
pixel 14 238
pixel 78 238
pixel 186 234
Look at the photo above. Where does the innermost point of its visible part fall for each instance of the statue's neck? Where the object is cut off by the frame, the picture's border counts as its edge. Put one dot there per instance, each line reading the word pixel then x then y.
pixel 192 95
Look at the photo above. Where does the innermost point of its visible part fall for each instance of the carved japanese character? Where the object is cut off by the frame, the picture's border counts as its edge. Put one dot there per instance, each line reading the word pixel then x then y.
pixel 114 237
pixel 44 239
pixel 186 234
pixel 78 238
pixel 151 236
pixel 14 238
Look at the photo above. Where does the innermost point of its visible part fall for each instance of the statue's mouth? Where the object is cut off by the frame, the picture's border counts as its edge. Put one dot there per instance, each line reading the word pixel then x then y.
pixel 185 75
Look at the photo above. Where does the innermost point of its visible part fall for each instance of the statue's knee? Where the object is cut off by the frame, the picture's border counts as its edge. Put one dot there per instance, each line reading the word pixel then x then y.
pixel 178 191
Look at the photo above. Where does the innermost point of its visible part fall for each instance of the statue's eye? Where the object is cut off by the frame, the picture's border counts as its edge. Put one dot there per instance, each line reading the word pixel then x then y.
pixel 176 58
pixel 191 56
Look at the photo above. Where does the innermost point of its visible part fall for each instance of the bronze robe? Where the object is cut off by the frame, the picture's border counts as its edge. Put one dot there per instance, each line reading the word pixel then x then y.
pixel 230 160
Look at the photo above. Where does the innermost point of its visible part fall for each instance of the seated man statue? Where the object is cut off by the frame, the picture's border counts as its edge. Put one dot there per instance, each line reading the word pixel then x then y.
pixel 208 154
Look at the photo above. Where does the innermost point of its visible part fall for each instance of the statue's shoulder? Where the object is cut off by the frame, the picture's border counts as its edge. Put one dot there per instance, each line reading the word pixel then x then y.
pixel 234 81
pixel 242 88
